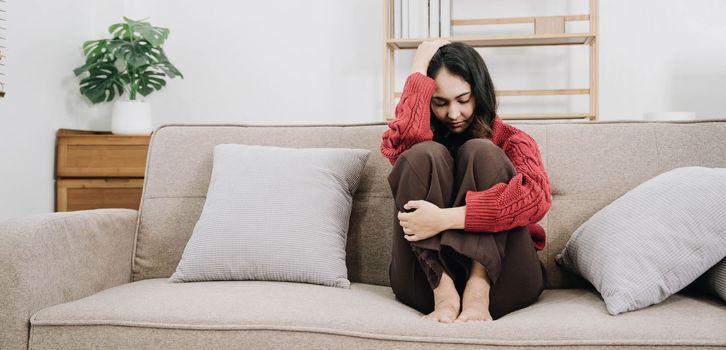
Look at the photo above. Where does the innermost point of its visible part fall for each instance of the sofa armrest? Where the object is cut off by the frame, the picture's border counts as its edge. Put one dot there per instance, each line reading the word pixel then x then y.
pixel 55 258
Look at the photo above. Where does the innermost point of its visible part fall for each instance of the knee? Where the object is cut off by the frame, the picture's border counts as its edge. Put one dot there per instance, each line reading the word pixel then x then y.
pixel 420 161
pixel 481 150
pixel 426 151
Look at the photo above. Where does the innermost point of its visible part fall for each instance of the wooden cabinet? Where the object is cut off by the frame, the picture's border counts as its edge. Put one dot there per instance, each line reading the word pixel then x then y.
pixel 99 170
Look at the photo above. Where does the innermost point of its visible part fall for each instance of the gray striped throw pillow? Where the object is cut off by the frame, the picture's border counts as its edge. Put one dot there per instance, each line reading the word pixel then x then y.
pixel 713 281
pixel 716 279
pixel 654 240
pixel 275 214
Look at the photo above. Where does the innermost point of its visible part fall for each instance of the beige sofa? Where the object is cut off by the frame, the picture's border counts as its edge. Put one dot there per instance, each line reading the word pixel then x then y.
pixel 98 279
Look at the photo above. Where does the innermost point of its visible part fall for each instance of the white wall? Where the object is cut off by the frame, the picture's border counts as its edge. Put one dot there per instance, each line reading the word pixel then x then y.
pixel 673 61
pixel 320 61
pixel 43 43
pixel 270 61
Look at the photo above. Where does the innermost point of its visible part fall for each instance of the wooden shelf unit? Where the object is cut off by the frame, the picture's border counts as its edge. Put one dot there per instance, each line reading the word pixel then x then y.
pixel 96 169
pixel 548 31
pixel 502 40
pixel 546 116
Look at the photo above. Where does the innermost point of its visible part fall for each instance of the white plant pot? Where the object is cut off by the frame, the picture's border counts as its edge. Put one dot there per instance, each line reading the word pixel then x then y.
pixel 131 118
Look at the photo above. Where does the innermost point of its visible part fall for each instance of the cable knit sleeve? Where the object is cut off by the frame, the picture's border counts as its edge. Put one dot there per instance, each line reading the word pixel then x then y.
pixel 524 200
pixel 412 124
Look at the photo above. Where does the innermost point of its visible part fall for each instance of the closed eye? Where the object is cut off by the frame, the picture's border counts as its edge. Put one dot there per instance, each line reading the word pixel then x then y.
pixel 440 101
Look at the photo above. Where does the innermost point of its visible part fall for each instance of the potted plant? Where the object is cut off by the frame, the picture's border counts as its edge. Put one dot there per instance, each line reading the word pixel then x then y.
pixel 132 62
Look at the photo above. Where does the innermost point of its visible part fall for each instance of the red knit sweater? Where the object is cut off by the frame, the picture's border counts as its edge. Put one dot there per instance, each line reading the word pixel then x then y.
pixel 524 200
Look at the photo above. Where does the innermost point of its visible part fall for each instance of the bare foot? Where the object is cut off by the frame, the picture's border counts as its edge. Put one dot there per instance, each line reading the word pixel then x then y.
pixel 475 302
pixel 446 301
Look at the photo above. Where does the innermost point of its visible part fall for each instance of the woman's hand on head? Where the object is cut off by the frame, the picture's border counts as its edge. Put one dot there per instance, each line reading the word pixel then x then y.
pixel 424 52
pixel 426 221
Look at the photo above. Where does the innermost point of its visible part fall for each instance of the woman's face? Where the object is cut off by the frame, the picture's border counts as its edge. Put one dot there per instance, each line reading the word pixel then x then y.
pixel 452 103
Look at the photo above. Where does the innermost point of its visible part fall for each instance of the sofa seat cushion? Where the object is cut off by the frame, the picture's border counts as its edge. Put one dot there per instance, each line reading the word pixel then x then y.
pixel 155 313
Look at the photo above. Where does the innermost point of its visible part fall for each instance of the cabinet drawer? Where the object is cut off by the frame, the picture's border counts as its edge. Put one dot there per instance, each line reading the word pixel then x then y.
pixel 82 194
pixel 101 156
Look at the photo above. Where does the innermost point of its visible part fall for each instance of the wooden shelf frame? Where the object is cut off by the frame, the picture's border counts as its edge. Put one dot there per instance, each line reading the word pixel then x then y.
pixel 544 92
pixel 547 39
pixel 513 20
pixel 504 40
pixel 545 116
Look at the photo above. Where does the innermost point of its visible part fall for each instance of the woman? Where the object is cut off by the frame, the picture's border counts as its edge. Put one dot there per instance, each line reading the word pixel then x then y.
pixel 468 191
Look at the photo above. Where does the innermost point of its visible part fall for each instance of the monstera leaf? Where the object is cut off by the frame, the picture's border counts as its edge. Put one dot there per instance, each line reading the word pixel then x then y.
pixel 145 81
pixel 96 50
pixel 165 66
pixel 135 30
pixel 132 61
pixel 136 54
pixel 97 54
pixel 103 84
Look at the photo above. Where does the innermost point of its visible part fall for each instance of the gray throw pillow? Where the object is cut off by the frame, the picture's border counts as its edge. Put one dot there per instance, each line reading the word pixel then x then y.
pixel 275 214
pixel 713 281
pixel 654 240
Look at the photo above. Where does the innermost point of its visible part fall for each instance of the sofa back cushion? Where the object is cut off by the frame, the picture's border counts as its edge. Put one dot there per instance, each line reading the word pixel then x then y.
pixel 590 164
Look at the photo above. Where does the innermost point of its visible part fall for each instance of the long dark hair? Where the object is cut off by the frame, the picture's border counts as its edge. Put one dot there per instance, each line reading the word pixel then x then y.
pixel 462 60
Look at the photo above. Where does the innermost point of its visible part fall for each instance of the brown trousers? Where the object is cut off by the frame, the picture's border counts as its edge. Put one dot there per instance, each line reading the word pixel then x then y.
pixel 428 171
